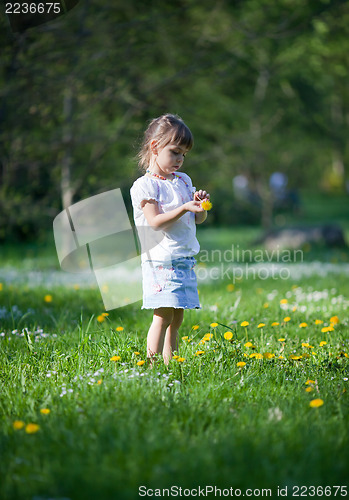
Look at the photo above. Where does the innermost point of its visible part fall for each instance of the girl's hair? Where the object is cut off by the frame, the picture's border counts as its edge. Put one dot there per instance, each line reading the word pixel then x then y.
pixel 164 130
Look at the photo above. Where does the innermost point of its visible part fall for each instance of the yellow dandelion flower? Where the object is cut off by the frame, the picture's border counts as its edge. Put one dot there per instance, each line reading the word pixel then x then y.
pixel 241 364
pixel 322 343
pixel 260 325
pixel 199 352
pixel 105 314
pixel 303 325
pixel 203 341
pixel 185 337
pixel 318 322
pixel 141 362
pixel 99 381
pixel 228 335
pixel 245 323
pixel 1 287
pixel 100 318
pixel 195 327
pixel 136 353
pixel 294 308
pixel 48 298
pixel 245 355
pixel 253 355
pixel 295 358
pixel 281 357
pixel 180 360
pixel 45 411
pixel 275 323
pixel 115 358
pixel 316 403
pixel 31 428
pixel 268 355
pixel 230 287
pixel 266 305
pixel 334 320
pixel 281 340
pixel 287 319
pixel 309 389
pixel 310 382
pixel 18 424
pixel 248 344
pixel 213 325
pixel 330 329
pixel 206 205
pixel 119 329
pixel 283 301
pixel 208 336
pixel 324 329
pixel 175 356
pixel 259 355
pixel 305 344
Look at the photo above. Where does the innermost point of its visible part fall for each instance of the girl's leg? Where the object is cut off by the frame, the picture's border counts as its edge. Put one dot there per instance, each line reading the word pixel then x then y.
pixel 162 318
pixel 171 342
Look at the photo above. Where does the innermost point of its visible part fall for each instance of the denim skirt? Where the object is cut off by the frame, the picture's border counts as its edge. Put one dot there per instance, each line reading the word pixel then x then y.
pixel 171 284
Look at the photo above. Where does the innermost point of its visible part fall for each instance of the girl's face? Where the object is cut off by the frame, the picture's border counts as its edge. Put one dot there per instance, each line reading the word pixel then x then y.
pixel 169 159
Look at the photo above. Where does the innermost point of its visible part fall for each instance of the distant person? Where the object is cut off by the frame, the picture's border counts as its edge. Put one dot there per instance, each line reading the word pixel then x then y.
pixel 167 202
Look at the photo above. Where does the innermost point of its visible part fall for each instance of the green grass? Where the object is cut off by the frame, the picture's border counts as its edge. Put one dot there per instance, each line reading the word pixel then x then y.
pixel 114 426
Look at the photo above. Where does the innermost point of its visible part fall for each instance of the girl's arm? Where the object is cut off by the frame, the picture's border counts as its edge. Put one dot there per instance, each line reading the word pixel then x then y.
pixel 160 221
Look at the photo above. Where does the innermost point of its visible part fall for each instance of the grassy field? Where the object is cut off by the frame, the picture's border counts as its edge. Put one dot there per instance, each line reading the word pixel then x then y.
pixel 260 410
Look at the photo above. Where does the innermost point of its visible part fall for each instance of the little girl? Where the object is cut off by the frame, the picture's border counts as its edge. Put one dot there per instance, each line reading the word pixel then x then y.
pixel 166 208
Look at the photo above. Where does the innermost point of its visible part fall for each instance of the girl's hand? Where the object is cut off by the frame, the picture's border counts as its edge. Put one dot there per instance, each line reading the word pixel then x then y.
pixel 193 206
pixel 201 195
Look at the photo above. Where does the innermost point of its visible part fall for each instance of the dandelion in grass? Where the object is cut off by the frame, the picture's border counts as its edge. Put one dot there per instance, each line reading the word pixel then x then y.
pixel 195 327
pixel 207 336
pixel 141 362
pixel 303 325
pixel 334 320
pixel 18 424
pixel 175 356
pixel 45 411
pixel 283 301
pixel 316 403
pixel 230 287
pixel 322 343
pixel 318 322
pixel 294 357
pixel 99 381
pixel 266 305
pixel 287 319
pixel 32 428
pixel 268 355
pixel 100 318
pixel 309 381
pixel 185 337
pixel 309 389
pixel 136 353
pixel 119 328
pixel 48 298
pixel 281 357
pixel 180 360
pixel 260 325
pixel 228 335
pixel 275 323
pixel 282 340
pixel 115 358
pixel 213 325
pixel 241 364
pixel 199 353
pixel 248 344
pixel 245 323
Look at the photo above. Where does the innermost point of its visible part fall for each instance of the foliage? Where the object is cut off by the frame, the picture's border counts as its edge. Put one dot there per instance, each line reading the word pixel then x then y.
pixel 263 85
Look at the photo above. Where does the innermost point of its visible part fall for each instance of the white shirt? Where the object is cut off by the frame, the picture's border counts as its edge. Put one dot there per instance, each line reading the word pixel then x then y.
pixel 179 239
